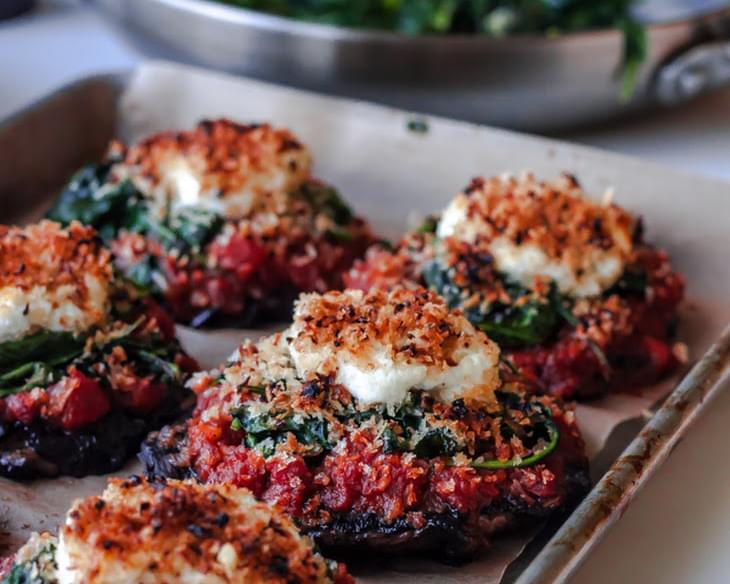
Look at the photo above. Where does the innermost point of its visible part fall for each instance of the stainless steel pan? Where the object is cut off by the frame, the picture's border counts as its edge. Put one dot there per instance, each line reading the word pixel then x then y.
pixel 526 82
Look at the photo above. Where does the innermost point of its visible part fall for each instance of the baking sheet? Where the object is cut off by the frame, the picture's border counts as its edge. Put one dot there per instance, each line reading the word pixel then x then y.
pixel 387 171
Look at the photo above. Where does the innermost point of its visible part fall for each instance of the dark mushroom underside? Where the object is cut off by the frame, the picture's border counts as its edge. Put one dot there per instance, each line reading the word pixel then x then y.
pixel 43 451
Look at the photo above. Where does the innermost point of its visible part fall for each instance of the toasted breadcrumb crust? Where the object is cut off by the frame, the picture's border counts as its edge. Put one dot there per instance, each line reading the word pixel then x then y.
pixel 555 215
pixel 45 254
pixel 166 531
pixel 227 158
pixel 415 327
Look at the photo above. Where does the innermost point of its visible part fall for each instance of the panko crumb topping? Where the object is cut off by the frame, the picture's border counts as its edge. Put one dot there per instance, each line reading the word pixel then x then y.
pixel 52 278
pixel 45 254
pixel 381 344
pixel 548 230
pixel 173 531
pixel 221 165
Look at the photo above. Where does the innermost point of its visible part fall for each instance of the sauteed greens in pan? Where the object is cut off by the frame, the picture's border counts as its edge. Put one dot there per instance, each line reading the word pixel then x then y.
pixel 491 17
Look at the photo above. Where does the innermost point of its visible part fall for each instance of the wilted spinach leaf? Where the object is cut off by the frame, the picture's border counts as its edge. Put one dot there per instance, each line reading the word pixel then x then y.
pixel 270 428
pixel 495 18
pixel 108 207
pixel 46 345
pixel 631 283
pixel 327 200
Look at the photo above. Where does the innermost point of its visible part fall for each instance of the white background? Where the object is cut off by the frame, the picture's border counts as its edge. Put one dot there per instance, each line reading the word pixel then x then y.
pixel 678 530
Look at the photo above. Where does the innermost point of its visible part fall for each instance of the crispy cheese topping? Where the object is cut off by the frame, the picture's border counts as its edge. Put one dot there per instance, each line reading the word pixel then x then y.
pixel 227 168
pixel 51 278
pixel 381 345
pixel 139 531
pixel 544 230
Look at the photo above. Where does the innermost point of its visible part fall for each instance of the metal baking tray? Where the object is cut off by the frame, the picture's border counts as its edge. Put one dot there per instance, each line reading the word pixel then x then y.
pixel 395 169
pixel 526 82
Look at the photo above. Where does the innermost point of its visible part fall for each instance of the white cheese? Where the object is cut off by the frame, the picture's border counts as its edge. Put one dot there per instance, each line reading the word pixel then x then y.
pixel 524 263
pixel 229 170
pixel 382 370
pixel 24 312
pixel 384 380
pixel 583 271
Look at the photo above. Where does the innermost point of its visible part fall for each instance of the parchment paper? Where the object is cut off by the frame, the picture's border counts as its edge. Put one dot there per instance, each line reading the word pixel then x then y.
pixel 387 172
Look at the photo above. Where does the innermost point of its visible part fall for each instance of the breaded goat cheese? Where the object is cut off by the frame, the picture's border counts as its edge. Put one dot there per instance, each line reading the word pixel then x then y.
pixel 51 279
pixel 381 345
pixel 227 168
pixel 546 230
pixel 172 531
pixel 167 532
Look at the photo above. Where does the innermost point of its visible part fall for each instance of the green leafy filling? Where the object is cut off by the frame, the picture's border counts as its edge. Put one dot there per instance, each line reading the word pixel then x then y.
pixel 45 356
pixel 107 207
pixel 494 18
pixel 529 322
pixel 407 428
pixel 111 207
pixel 43 359
pixel 326 199
pixel 39 570
pixel 265 430
pixel 513 324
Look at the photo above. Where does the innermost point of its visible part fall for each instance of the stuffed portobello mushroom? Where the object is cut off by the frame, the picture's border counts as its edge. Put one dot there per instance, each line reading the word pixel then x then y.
pixel 380 420
pixel 87 366
pixel 579 301
pixel 224 224
pixel 172 531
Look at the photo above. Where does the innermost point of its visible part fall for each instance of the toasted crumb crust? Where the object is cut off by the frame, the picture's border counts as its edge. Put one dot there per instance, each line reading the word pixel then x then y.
pixel 416 326
pixel 555 215
pixel 228 158
pixel 45 254
pixel 162 531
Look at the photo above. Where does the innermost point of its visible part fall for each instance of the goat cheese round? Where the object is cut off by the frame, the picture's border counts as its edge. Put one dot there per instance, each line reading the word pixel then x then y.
pixel 545 230
pixel 51 279
pixel 381 345
pixel 229 169
pixel 173 531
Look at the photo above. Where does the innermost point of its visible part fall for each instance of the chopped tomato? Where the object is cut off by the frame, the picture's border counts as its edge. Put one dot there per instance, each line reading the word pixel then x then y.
pixel 140 394
pixel 153 311
pixel 240 254
pixel 24 406
pixel 77 401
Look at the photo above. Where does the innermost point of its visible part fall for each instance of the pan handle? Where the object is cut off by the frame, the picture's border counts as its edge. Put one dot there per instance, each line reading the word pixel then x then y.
pixel 700 69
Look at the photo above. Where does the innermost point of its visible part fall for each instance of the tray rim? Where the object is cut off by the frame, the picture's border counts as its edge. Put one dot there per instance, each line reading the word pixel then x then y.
pixel 610 496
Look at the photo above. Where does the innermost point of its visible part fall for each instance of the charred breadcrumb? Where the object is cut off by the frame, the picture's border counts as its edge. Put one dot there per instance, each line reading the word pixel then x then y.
pixel 173 531
pixel 51 278
pixel 406 327
pixel 556 216
pixel 87 365
pixel 567 286
pixel 242 167
pixel 44 254
pixel 224 223
pixel 432 473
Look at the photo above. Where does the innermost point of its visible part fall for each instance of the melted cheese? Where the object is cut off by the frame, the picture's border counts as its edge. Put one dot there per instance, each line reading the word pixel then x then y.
pixel 219 166
pixel 412 342
pixel 24 312
pixel 579 266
